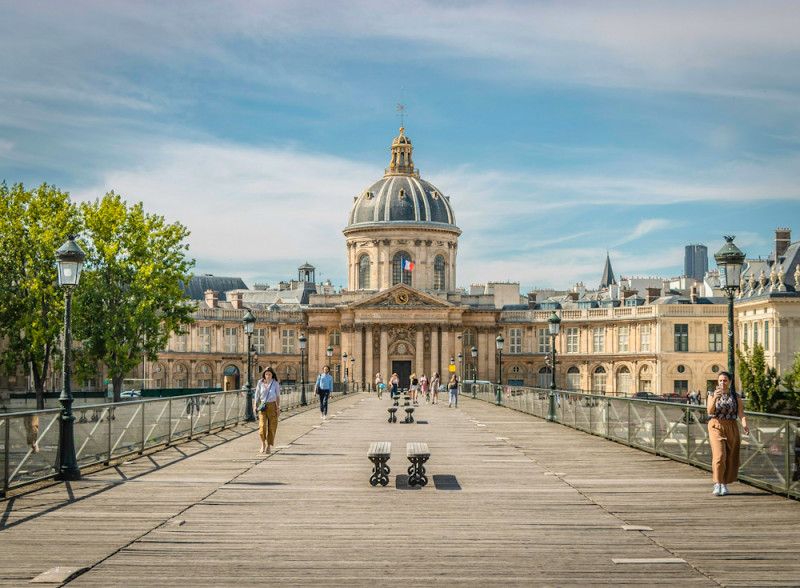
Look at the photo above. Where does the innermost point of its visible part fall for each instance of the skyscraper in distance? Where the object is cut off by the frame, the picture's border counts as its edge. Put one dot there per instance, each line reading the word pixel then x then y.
pixel 695 261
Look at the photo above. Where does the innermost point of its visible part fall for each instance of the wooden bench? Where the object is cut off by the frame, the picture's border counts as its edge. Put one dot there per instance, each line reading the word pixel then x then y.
pixel 392 414
pixel 379 453
pixel 409 414
pixel 417 454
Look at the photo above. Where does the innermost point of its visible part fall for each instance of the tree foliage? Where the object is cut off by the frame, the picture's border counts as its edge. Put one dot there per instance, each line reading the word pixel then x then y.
pixel 760 383
pixel 131 294
pixel 791 381
pixel 33 225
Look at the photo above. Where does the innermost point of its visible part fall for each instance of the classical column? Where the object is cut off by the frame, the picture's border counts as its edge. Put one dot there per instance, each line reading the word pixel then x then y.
pixel 369 367
pixel 358 353
pixel 384 359
pixel 447 353
pixel 419 368
pixel 435 367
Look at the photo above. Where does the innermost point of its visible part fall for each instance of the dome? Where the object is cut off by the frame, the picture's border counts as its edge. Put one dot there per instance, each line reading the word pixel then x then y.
pixel 401 196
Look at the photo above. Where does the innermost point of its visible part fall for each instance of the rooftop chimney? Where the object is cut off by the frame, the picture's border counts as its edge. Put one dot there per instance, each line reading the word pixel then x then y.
pixel 531 299
pixel 212 298
pixel 783 238
pixel 236 300
pixel 693 294
pixel 652 294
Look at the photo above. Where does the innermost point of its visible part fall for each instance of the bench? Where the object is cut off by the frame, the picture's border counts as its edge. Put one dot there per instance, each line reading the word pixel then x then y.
pixel 392 414
pixel 409 414
pixel 379 453
pixel 406 400
pixel 417 454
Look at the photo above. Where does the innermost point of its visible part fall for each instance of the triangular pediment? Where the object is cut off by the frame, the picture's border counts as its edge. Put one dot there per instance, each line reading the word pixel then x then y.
pixel 401 296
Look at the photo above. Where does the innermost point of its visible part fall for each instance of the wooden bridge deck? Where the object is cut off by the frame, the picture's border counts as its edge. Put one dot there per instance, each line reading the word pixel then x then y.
pixel 512 500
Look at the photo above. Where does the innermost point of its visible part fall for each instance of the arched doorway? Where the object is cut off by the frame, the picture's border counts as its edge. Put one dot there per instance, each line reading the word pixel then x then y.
pixel 230 378
pixel 402 359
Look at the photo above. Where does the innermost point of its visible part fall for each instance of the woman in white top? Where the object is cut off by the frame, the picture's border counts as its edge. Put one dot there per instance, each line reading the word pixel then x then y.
pixel 379 384
pixel 268 399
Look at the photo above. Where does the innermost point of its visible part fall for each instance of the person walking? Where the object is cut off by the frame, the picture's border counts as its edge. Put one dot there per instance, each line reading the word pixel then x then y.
pixel 414 388
pixel 723 408
pixel 323 388
pixel 453 387
pixel 395 382
pixel 267 402
pixel 379 384
pixel 435 388
pixel 423 388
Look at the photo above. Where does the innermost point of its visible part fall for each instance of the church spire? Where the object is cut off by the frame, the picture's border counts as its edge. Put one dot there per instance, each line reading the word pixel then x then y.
pixel 401 163
pixel 608 274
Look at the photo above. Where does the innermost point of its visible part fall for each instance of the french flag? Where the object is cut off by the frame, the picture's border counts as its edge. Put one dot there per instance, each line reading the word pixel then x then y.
pixel 407 265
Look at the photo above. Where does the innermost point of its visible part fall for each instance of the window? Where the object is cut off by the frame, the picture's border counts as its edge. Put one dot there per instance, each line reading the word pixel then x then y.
pixel 644 338
pixel 573 339
pixel 755 334
pixel 766 335
pixel 335 338
pixel 715 337
pixel 544 340
pixel 180 376
pixel 472 371
pixel 469 339
pixel 599 381
pixel 260 340
pixel 681 387
pixel 599 340
pixel 516 370
pixel 515 340
pixel 231 343
pixel 573 378
pixel 744 338
pixel 287 341
pixel 544 377
pixel 624 381
pixel 204 376
pixel 180 344
pixel 646 386
pixel 399 275
pixel 438 273
pixel 363 272
pixel 622 338
pixel 682 337
pixel 205 339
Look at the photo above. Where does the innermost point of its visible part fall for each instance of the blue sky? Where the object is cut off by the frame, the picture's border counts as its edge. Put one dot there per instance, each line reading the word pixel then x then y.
pixel 559 130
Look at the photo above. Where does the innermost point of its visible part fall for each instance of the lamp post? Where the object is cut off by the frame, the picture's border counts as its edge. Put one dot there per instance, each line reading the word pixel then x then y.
pixel 554 323
pixel 249 325
pixel 461 365
pixel 344 365
pixel 353 370
pixel 70 263
pixel 474 352
pixel 302 341
pixel 730 260
pixel 500 341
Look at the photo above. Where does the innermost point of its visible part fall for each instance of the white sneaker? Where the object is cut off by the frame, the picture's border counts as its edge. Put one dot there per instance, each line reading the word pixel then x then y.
pixel 717 489
pixel 723 490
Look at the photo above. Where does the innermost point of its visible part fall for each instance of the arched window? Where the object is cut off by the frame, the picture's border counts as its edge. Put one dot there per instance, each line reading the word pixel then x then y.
pixel 599 381
pixel 399 275
pixel 573 378
pixel 544 377
pixel 624 381
pixel 363 272
pixel 438 273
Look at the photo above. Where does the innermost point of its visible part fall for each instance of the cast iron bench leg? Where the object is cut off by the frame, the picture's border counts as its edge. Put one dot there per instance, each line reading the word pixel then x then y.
pixel 380 470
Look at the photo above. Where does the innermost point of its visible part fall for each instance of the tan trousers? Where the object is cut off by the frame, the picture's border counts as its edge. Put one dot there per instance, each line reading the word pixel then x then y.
pixel 723 435
pixel 268 423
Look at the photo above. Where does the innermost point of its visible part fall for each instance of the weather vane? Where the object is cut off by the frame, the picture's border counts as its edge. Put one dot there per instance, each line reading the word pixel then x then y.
pixel 401 109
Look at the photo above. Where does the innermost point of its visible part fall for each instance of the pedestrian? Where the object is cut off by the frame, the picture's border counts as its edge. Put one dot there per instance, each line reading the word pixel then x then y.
pixel 379 384
pixel 395 382
pixel 31 423
pixel 453 387
pixel 414 388
pixel 268 406
pixel 435 388
pixel 723 433
pixel 423 388
pixel 323 388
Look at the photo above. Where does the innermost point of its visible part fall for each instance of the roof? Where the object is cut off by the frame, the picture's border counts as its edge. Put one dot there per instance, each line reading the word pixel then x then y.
pixel 608 274
pixel 198 285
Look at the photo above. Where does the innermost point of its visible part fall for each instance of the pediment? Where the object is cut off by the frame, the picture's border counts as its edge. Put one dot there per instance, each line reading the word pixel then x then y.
pixel 399 297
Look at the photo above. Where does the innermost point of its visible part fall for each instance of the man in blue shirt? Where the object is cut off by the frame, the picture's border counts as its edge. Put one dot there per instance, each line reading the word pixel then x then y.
pixel 323 388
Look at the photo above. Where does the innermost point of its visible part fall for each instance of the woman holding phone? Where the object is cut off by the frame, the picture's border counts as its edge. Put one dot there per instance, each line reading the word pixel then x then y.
pixel 723 408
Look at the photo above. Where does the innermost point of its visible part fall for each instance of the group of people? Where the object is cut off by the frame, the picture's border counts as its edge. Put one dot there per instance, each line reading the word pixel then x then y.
pixel 421 386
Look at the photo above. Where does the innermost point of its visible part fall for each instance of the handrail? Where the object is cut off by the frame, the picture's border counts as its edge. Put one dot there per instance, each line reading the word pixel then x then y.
pixel 770 454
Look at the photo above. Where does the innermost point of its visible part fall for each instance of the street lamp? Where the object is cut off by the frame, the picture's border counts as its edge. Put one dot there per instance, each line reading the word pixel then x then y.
pixel 353 370
pixel 344 364
pixel 730 260
pixel 70 263
pixel 461 365
pixel 554 323
pixel 500 341
pixel 249 326
pixel 302 341
pixel 474 352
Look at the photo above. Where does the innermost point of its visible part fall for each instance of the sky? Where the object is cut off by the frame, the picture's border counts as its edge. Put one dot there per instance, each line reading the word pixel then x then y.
pixel 560 130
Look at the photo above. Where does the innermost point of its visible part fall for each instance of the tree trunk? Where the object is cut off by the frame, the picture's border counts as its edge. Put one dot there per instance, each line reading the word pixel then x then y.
pixel 117 382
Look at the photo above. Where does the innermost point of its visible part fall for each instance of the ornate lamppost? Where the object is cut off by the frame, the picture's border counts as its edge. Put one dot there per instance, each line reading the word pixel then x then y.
pixel 353 370
pixel 344 366
pixel 461 366
pixel 474 352
pixel 70 263
pixel 500 341
pixel 554 323
pixel 302 341
pixel 730 260
pixel 249 325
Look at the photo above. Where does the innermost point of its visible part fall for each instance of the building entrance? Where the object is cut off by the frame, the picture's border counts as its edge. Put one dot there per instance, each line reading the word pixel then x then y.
pixel 403 371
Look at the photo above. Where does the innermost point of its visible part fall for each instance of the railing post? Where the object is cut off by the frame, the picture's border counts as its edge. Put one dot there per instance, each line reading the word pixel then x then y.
pixel 191 417
pixel 608 419
pixel 655 426
pixel 169 417
pixel 6 465
pixel 144 428
pixel 224 410
pixel 630 426
pixel 688 412
pixel 208 408
pixel 591 414
pixel 788 478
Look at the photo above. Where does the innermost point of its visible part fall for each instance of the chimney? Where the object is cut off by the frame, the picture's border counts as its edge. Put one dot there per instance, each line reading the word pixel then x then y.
pixel 212 298
pixel 531 299
pixel 783 238
pixel 236 300
pixel 693 294
pixel 628 293
pixel 652 294
pixel 573 296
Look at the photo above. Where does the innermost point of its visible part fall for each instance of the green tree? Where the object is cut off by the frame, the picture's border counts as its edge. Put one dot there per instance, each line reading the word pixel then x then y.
pixel 131 296
pixel 33 224
pixel 791 381
pixel 761 384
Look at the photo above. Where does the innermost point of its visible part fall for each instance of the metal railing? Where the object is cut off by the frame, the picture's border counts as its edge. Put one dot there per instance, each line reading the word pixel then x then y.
pixel 769 457
pixel 103 432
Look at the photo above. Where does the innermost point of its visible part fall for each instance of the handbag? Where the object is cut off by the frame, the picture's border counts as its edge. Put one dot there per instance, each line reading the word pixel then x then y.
pixel 262 406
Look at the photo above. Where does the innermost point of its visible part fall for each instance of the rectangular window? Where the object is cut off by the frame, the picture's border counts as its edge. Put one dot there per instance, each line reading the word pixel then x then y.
pixel 544 340
pixel 180 341
pixel 644 338
pixel 599 383
pixel 744 339
pixel 682 337
pixel 599 340
pixel 515 337
pixel 755 334
pixel 205 339
pixel 622 338
pixel 715 337
pixel 766 335
pixel 573 339
pixel 260 340
pixel 469 339
pixel 335 338
pixel 681 387
pixel 646 386
pixel 287 341
pixel 231 339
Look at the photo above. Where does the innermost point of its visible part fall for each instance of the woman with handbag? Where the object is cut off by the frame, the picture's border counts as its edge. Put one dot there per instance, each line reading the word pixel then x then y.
pixel 453 387
pixel 267 402
pixel 435 388
pixel 323 388
pixel 723 408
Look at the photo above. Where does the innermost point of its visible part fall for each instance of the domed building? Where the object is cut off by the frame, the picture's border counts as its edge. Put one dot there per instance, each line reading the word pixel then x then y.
pixel 399 222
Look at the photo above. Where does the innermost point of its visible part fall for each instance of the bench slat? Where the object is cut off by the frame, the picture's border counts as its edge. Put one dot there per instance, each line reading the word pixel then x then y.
pixel 379 448
pixel 417 450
